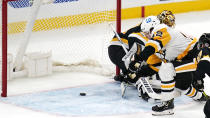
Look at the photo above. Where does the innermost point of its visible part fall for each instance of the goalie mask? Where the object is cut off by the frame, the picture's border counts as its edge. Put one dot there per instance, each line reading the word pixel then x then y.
pixel 167 17
pixel 204 41
pixel 149 23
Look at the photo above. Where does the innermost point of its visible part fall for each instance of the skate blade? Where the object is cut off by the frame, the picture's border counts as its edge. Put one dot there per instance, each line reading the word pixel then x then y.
pixel 153 101
pixel 123 88
pixel 166 112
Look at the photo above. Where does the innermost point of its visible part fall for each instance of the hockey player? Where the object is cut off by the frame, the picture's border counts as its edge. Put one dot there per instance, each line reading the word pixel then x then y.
pixel 133 40
pixel 203 67
pixel 184 75
pixel 171 45
pixel 202 60
pixel 118 48
pixel 167 17
pixel 136 36
pixel 207 109
pixel 130 39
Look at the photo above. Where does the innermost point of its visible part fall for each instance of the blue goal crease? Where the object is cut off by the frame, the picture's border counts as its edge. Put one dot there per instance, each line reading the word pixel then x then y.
pixel 100 100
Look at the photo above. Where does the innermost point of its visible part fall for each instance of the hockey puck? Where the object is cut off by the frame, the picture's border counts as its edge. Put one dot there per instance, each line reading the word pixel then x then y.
pixel 82 94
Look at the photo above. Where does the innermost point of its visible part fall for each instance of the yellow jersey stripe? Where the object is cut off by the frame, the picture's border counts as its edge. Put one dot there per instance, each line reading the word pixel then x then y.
pixel 154 68
pixel 153 59
pixel 187 49
pixel 145 38
pixel 206 56
pixel 122 39
pixel 186 67
pixel 168 86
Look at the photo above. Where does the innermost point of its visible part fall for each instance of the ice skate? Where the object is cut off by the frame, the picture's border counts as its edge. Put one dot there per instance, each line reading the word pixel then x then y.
pixel 165 108
pixel 203 98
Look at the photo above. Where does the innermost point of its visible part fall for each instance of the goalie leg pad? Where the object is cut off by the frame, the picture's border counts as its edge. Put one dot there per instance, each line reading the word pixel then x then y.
pixel 143 94
pixel 167 73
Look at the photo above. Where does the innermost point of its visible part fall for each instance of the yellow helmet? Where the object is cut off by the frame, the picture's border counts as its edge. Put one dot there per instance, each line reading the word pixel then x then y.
pixel 167 17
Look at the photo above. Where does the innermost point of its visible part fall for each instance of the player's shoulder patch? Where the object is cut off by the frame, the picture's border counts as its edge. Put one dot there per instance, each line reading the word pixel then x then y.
pixel 159 33
pixel 160 30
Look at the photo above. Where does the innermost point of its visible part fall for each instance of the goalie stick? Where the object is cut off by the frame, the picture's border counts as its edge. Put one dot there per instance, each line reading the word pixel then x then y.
pixel 118 37
pixel 148 88
pixel 146 85
pixel 123 85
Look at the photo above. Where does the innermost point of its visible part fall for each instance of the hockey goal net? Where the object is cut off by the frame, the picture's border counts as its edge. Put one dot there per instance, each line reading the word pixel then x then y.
pixel 72 34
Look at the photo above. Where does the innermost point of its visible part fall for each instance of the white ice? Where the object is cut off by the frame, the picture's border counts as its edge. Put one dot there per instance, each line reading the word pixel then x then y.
pixel 193 23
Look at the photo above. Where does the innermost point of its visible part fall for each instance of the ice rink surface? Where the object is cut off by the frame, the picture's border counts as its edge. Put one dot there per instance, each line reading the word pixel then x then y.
pixel 57 95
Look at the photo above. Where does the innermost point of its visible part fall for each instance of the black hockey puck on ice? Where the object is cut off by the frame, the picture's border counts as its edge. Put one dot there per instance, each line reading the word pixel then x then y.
pixel 82 94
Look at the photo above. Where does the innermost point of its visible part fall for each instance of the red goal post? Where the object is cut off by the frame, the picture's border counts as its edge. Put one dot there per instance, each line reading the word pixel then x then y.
pixel 4 72
pixel 4 48
pixel 118 26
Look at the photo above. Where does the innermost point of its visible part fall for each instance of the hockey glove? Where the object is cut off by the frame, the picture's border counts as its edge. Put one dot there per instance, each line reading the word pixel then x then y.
pixel 129 79
pixel 133 66
pixel 198 85
pixel 119 77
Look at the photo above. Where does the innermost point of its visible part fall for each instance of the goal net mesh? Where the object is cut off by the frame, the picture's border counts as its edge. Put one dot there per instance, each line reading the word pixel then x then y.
pixel 76 32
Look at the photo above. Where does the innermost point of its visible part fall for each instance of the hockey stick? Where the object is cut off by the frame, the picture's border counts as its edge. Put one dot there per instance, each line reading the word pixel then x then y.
pixel 123 85
pixel 118 37
pixel 205 95
pixel 128 53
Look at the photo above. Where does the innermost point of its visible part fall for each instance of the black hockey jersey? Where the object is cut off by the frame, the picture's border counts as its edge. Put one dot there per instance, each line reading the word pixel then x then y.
pixel 203 63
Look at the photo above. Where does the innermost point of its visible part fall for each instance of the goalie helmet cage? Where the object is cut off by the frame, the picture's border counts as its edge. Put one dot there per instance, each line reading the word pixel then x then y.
pixel 5 25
